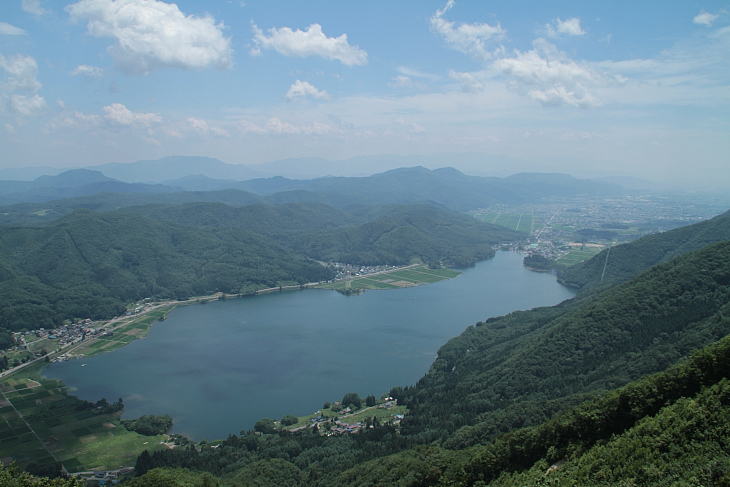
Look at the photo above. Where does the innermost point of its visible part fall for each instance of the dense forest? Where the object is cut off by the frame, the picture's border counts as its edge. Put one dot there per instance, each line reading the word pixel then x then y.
pixel 91 264
pixel 149 425
pixel 534 391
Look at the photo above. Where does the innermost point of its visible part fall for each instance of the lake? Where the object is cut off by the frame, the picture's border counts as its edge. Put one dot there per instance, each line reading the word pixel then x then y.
pixel 218 368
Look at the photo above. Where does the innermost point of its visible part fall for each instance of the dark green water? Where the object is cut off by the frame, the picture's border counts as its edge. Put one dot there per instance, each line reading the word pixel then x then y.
pixel 220 367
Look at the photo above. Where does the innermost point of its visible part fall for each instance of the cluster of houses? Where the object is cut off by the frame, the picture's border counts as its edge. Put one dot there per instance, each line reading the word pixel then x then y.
pixel 65 334
pixel 104 477
pixel 340 427
pixel 345 271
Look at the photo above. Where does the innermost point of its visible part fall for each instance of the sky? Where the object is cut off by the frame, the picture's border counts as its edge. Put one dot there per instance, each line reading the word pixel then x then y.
pixel 618 87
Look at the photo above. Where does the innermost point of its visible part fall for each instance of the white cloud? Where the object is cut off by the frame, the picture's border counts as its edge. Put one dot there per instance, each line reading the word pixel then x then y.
pixel 18 92
pixel 401 81
pixel 34 7
pixel 470 39
pixel 9 128
pixel 312 42
pixel 151 34
pixel 22 71
pixel 10 30
pixel 414 128
pixel 193 125
pixel 414 73
pixel 88 71
pixel 92 119
pixel 558 95
pixel 570 27
pixel 27 104
pixel 550 76
pixel 469 84
pixel 704 18
pixel 301 89
pixel 201 126
pixel 274 126
pixel 118 113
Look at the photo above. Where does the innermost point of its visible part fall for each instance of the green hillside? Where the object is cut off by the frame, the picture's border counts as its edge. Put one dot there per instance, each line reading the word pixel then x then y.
pixel 88 265
pixel 276 221
pixel 402 233
pixel 392 235
pixel 620 263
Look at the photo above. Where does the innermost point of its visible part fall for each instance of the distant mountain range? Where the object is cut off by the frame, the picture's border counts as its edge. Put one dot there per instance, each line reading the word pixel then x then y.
pixel 55 196
pixel 172 167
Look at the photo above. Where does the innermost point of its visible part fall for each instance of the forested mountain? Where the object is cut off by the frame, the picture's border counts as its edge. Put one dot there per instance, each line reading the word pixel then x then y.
pixel 620 263
pixel 489 410
pixel 446 186
pixel 70 184
pixel 404 232
pixel 276 221
pixel 507 371
pixel 88 265
pixel 391 235
pixel 35 214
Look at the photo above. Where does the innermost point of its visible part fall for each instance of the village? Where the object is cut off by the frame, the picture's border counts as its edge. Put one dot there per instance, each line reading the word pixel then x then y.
pixel 346 420
pixel 346 271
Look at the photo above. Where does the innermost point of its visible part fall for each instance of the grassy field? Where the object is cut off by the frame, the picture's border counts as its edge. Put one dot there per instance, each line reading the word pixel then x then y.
pixel 80 436
pixel 576 256
pixel 522 222
pixel 411 276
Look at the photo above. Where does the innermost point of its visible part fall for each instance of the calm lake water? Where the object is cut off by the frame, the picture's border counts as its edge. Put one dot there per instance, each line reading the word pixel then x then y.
pixel 220 367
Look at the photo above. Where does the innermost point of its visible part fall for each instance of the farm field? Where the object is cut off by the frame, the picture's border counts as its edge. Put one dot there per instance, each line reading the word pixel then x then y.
pixel 406 277
pixel 576 256
pixel 522 222
pixel 75 433
pixel 124 334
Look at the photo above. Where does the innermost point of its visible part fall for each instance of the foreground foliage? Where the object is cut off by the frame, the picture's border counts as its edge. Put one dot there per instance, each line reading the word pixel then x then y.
pixel 11 477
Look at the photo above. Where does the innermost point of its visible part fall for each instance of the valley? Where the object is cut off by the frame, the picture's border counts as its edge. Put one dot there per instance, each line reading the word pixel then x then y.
pixel 534 353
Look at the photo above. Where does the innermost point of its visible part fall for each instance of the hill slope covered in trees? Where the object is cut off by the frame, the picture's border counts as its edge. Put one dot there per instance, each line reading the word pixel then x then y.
pixel 89 264
pixel 620 263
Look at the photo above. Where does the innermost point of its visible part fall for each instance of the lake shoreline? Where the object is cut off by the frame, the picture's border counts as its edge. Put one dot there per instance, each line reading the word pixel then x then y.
pixel 257 354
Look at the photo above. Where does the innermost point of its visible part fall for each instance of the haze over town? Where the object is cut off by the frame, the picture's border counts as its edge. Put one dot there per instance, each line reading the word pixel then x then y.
pixel 491 88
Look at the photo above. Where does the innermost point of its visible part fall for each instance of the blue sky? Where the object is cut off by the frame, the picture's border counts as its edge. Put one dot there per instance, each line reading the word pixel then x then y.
pixel 633 88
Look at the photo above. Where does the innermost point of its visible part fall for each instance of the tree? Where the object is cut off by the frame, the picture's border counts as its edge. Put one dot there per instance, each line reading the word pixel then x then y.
pixel 11 477
pixel 265 426
pixel 289 420
pixel 370 401
pixel 352 398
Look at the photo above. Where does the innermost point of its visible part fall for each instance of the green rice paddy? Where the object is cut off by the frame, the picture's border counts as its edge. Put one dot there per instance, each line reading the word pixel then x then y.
pixel 521 222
